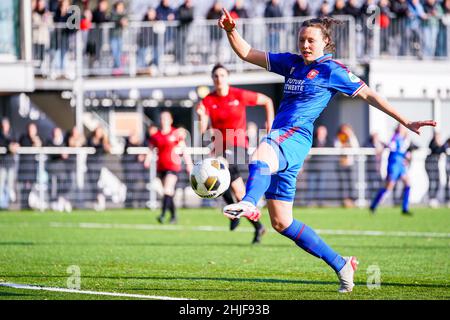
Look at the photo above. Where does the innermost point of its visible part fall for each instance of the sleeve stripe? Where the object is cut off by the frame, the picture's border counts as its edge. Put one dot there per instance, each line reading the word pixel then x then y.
pixel 267 61
pixel 363 84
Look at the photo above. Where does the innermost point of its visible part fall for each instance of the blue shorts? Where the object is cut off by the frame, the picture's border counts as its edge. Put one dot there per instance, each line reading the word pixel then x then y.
pixel 395 171
pixel 292 146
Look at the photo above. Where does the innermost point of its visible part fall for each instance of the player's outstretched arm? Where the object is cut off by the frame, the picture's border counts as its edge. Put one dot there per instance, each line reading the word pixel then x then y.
pixel 204 119
pixel 267 102
pixel 374 99
pixel 239 45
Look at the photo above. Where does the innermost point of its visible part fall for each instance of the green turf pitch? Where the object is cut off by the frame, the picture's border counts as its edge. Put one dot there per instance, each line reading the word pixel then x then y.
pixel 128 252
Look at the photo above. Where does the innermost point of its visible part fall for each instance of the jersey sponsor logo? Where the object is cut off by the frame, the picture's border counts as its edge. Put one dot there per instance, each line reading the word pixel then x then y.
pixel 294 85
pixel 312 74
pixel 353 78
pixel 234 103
pixel 172 138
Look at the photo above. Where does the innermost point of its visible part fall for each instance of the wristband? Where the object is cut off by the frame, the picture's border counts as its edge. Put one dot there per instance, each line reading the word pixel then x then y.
pixel 231 30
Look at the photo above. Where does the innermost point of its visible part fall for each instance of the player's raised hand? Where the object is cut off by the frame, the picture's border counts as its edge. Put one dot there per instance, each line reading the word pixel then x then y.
pixel 416 125
pixel 226 22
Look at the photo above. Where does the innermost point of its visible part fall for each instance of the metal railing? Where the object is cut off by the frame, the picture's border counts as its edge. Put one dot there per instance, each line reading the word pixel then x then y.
pixel 164 47
pixel 51 178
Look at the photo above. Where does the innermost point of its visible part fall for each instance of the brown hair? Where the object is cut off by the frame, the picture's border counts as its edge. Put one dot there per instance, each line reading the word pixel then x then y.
pixel 219 66
pixel 326 27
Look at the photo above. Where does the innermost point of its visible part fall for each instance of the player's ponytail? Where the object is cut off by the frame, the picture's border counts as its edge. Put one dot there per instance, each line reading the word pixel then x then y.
pixel 326 25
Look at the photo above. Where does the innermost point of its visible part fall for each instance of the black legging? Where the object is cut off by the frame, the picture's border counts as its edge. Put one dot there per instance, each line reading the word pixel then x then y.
pixel 345 182
pixel 432 168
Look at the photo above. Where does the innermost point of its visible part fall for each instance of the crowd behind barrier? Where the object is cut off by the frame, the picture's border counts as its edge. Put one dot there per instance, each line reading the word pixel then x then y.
pixel 169 40
pixel 48 175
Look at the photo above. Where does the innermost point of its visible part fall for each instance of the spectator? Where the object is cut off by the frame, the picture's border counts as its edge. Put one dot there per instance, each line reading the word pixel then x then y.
pixel 53 5
pixel 339 8
pixel 316 173
pixel 434 14
pixel 28 167
pixel 301 8
pixel 86 21
pixel 56 168
pixel 95 38
pixel 85 28
pixel 7 165
pixel 215 34
pixel 400 30
pixel 120 20
pixel 239 11
pixel 384 22
pixel 74 139
pixel 133 169
pixel 346 138
pixel 273 10
pixel 373 163
pixel 441 50
pixel 365 47
pixel 62 37
pixel 42 21
pixel 185 15
pixel 417 18
pixel 432 167
pixel 324 9
pixel 147 40
pixel 164 12
pixel 447 173
pixel 352 8
pixel 98 140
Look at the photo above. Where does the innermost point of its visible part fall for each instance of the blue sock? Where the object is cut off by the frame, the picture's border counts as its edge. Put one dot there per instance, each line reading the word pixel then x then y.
pixel 378 198
pixel 258 181
pixel 307 239
pixel 406 199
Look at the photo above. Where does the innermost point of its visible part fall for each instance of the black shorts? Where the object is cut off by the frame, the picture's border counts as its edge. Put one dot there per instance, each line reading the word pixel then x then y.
pixel 237 158
pixel 163 174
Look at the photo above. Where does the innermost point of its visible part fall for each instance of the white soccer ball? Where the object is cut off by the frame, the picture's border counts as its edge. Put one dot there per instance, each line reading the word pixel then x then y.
pixel 210 178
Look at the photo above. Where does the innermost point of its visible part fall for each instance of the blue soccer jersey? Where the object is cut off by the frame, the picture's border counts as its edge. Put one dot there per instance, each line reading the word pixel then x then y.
pixel 309 88
pixel 307 91
pixel 398 148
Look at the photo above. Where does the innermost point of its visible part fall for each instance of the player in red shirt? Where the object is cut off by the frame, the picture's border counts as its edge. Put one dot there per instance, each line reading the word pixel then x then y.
pixel 170 142
pixel 225 109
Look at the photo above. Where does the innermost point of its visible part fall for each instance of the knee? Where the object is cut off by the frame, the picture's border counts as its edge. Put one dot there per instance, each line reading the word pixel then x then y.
pixel 279 225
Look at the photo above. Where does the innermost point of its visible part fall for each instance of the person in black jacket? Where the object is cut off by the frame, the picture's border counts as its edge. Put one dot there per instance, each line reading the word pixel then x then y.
pixel 95 162
pixel 185 15
pixel 57 171
pixel 7 165
pixel 134 173
pixel 28 165
pixel 317 168
pixel 95 37
pixel 432 167
pixel 62 37
pixel 301 8
pixel 273 10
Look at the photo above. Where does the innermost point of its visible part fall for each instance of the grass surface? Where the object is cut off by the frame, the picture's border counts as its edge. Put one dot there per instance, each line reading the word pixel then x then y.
pixel 129 252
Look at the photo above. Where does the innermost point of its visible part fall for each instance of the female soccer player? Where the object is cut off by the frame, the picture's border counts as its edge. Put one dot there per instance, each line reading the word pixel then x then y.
pixel 169 140
pixel 225 107
pixel 311 80
pixel 399 148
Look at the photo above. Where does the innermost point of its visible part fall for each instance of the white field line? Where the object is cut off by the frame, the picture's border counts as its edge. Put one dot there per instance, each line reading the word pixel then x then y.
pixel 90 225
pixel 98 293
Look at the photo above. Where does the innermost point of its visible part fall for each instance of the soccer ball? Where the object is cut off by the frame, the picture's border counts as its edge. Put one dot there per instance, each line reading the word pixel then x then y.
pixel 210 178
